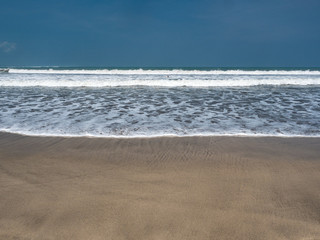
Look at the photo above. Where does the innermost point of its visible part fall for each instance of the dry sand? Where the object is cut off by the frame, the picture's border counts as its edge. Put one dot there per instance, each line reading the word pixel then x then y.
pixel 160 188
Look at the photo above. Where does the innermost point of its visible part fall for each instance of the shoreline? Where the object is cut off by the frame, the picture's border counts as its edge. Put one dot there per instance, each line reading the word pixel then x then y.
pixel 240 135
pixel 159 188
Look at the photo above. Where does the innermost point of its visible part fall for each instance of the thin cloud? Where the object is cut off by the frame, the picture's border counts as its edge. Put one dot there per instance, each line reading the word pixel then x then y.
pixel 7 46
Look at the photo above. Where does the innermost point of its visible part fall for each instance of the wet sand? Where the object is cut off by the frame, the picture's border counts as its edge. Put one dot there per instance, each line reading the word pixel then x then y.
pixel 159 188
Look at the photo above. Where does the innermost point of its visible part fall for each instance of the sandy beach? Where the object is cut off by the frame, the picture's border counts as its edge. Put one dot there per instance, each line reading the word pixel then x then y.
pixel 159 188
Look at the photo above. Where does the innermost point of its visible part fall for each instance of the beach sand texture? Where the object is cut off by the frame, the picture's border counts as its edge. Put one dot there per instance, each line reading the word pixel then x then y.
pixel 159 188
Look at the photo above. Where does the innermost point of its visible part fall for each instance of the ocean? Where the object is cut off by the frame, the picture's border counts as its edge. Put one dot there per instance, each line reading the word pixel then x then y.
pixel 133 102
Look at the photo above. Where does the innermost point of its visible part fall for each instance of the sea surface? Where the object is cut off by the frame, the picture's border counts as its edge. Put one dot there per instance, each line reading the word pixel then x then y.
pixel 132 102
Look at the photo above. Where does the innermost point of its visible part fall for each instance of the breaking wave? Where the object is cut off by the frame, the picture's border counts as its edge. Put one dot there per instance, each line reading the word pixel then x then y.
pixel 156 78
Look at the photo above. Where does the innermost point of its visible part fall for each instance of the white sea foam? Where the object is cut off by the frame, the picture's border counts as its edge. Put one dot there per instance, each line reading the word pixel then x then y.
pixel 164 83
pixel 151 103
pixel 159 80
pixel 46 134
pixel 146 112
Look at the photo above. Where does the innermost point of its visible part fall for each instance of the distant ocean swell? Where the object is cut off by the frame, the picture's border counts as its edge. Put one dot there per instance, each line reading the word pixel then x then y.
pixel 141 71
pixel 160 102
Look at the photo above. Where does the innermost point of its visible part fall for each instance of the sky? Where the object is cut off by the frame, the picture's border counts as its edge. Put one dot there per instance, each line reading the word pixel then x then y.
pixel 160 33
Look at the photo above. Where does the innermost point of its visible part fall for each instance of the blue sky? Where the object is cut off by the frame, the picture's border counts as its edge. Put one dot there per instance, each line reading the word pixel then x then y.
pixel 138 33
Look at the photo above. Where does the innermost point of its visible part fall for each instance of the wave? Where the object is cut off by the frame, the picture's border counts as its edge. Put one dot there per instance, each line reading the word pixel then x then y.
pixel 157 83
pixel 163 72
pixel 156 78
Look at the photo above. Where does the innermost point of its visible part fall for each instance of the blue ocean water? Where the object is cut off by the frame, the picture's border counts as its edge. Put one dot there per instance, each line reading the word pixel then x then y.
pixel 132 102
